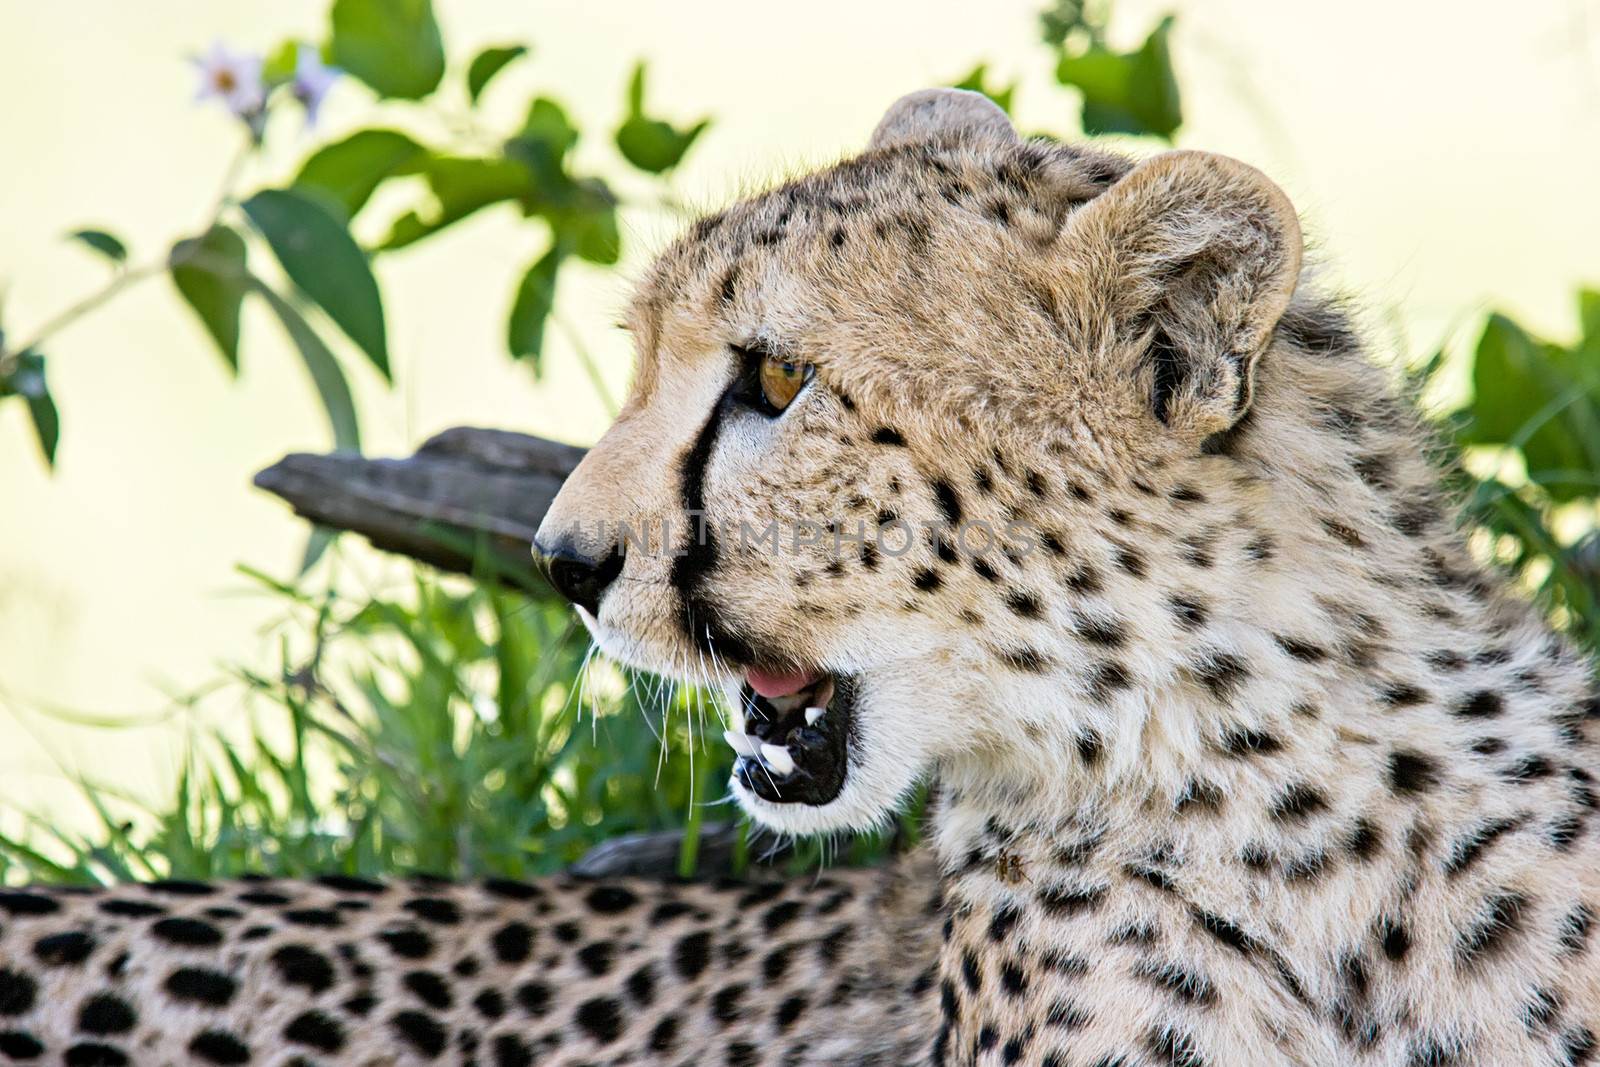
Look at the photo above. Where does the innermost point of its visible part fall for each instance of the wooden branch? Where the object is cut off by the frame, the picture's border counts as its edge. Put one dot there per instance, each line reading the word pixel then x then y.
pixel 468 499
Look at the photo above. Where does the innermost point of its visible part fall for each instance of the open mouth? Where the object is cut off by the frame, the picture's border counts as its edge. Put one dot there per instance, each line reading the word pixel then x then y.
pixel 796 744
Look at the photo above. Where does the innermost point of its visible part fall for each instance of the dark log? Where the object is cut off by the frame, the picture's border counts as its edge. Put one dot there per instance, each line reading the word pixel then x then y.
pixel 655 855
pixel 468 501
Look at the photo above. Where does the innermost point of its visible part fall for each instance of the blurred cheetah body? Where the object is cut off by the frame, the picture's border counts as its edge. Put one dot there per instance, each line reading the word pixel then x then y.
pixel 561 971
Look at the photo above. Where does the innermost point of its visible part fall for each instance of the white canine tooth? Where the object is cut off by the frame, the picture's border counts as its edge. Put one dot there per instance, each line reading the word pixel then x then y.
pixel 813 714
pixel 742 744
pixel 778 758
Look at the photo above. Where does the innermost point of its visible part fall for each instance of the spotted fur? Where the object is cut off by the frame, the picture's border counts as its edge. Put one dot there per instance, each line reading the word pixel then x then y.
pixel 345 970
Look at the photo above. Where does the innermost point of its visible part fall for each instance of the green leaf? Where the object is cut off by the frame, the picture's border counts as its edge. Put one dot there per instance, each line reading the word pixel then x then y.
pixel 546 137
pixel 27 380
pixel 104 243
pixel 535 297
pixel 318 542
pixel 461 186
pixel 651 144
pixel 347 172
pixel 280 62
pixel 1066 18
pixel 1540 398
pixel 1127 92
pixel 211 274
pixel 489 62
pixel 589 223
pixel 1589 319
pixel 326 374
pixel 320 256
pixel 976 81
pixel 392 45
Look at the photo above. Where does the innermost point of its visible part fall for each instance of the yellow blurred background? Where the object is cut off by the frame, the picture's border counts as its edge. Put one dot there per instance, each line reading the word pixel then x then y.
pixel 1444 157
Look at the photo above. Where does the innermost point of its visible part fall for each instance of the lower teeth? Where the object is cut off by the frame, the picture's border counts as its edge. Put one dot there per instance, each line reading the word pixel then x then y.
pixel 777 757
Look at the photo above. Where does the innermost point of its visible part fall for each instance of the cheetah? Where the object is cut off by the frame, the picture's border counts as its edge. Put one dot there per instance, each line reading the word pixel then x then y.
pixel 1048 477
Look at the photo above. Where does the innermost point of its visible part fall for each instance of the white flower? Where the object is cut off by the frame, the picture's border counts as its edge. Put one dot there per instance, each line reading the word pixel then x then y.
pixel 312 80
pixel 232 77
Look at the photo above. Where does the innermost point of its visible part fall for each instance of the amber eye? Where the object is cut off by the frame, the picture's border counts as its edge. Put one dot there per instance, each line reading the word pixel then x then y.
pixel 781 381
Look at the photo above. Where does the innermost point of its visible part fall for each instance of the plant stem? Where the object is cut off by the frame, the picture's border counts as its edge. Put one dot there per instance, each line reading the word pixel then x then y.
pixel 126 279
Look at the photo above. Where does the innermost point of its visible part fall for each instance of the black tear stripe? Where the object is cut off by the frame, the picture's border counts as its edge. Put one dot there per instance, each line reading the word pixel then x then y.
pixel 700 552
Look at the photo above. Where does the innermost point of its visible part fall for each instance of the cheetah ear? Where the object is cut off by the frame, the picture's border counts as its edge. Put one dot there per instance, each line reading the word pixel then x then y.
pixel 931 113
pixel 1187 263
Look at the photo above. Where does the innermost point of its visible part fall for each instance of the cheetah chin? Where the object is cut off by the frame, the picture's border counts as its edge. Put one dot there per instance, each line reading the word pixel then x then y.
pixel 805 764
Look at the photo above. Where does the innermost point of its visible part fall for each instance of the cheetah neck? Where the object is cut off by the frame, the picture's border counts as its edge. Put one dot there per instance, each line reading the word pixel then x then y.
pixel 1285 762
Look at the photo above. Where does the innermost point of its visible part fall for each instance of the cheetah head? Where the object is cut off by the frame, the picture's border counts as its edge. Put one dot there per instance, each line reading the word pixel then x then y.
pixel 849 484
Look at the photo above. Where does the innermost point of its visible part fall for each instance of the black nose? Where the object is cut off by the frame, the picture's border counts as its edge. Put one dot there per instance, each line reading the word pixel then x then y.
pixel 578 576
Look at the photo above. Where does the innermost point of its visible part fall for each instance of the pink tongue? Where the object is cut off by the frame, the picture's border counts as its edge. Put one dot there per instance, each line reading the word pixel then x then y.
pixel 770 684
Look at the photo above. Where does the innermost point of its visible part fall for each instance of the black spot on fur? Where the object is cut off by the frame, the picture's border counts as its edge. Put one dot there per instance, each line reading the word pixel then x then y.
pixel 19 1045
pixel 421 1031
pixel 1072 900
pixel 1190 612
pixel 1023 658
pixel 17 992
pixel 189 933
pixel 66 949
pixel 725 1003
pixel 429 988
pixel 1411 772
pixel 692 954
pixel 93 1054
pixel 299 965
pixel 1189 986
pixel 1085 581
pixel 600 1018
pixel 16 902
pixel 201 985
pixel 1108 633
pixel 1222 673
pixel 509 1050
pixel 1483 704
pixel 131 909
pixel 316 1030
pixel 1470 849
pixel 323 917
pixel 949 503
pixel 1297 803
pixel 1304 651
pixel 106 1013
pixel 408 942
pixel 513 942
pixel 1245 742
pixel 1025 605
pixel 534 998
pixel 434 910
pixel 1224 931
pixel 1108 678
pixel 596 958
pixel 1490 932
pixel 1174 1048
pixel 610 899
